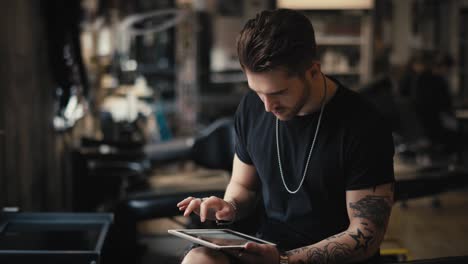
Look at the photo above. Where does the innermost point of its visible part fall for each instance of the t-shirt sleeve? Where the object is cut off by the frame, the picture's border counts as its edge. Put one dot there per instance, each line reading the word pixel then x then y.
pixel 369 156
pixel 241 123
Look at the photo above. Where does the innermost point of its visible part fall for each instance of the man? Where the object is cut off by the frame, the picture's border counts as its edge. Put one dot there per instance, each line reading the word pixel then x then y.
pixel 319 155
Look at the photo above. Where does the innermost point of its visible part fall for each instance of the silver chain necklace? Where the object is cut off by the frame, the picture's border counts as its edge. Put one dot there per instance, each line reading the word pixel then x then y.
pixel 322 106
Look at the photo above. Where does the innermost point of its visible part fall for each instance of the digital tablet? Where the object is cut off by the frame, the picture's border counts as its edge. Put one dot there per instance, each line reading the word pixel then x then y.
pixel 217 238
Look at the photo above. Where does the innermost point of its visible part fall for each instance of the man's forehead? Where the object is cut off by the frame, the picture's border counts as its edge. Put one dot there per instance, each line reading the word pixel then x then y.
pixel 268 82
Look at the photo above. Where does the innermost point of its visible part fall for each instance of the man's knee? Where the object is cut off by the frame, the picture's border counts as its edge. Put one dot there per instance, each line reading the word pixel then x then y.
pixel 205 255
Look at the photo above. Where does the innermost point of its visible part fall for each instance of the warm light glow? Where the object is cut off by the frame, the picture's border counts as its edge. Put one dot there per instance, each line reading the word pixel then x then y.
pixel 325 4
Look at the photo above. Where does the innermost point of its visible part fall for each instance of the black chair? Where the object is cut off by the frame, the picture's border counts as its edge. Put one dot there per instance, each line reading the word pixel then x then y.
pixel 212 148
pixel 104 171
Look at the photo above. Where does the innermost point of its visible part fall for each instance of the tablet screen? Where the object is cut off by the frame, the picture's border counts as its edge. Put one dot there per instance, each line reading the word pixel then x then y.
pixel 218 238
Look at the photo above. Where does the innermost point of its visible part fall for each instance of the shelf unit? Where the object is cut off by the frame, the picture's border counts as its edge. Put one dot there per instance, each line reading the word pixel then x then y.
pixel 340 40
pixel 344 44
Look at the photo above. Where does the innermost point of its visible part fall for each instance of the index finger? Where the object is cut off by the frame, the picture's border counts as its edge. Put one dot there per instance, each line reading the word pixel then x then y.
pixel 209 203
pixel 193 206
pixel 185 201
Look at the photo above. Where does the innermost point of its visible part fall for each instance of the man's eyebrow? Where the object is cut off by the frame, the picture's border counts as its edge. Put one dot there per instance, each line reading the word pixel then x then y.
pixel 278 92
pixel 272 93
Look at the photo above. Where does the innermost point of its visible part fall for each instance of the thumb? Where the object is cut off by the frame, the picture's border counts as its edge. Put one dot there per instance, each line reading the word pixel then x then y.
pixel 253 247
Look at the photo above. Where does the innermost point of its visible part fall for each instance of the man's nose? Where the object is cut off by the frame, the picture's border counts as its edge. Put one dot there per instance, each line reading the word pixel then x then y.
pixel 268 102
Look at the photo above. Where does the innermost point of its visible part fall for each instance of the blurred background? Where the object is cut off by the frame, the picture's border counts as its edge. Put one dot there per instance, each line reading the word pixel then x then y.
pixel 124 107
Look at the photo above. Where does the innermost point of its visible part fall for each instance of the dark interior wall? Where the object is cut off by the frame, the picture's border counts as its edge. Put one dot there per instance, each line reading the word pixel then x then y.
pixel 29 160
pixel 2 132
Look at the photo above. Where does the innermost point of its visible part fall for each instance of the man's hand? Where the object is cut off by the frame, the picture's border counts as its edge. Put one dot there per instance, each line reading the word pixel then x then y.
pixel 259 253
pixel 212 208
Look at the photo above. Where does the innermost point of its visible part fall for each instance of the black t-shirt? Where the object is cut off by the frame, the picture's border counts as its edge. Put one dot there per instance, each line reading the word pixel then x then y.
pixel 354 150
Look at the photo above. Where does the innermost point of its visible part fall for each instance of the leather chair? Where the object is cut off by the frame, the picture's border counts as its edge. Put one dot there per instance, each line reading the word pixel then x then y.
pixel 104 170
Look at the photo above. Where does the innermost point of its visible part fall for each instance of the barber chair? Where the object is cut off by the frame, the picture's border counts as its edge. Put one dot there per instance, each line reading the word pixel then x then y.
pixel 212 148
pixel 104 170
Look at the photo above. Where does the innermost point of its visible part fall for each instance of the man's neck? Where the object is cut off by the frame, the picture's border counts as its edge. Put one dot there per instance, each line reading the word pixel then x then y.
pixel 317 95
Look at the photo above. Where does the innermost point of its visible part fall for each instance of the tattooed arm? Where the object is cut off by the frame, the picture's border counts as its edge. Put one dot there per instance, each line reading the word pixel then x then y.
pixel 369 211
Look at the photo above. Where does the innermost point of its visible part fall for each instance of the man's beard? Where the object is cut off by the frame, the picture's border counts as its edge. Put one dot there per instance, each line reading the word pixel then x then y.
pixel 300 104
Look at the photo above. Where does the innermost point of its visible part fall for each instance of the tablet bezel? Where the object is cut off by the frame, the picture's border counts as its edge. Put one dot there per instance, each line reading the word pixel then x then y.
pixel 182 233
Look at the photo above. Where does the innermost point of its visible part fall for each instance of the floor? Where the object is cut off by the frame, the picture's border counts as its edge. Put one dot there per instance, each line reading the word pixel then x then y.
pixel 418 228
pixel 428 232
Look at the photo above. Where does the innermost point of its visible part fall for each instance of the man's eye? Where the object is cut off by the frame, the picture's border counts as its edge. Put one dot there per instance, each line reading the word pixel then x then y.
pixel 279 93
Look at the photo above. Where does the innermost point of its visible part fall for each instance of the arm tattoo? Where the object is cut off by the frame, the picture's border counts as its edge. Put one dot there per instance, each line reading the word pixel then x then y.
pixel 374 208
pixel 366 227
pixel 333 252
pixel 362 241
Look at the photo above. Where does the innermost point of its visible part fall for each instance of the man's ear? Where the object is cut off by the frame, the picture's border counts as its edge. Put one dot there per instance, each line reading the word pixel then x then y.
pixel 314 70
pixel 315 73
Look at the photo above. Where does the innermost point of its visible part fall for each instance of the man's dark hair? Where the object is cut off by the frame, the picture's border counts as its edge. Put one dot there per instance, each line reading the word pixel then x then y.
pixel 281 38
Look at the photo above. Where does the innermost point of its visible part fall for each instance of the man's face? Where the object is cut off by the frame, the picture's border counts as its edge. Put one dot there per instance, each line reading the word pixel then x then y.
pixel 283 95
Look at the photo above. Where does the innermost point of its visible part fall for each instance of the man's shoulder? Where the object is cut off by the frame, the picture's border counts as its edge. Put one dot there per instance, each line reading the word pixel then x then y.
pixel 358 110
pixel 356 103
